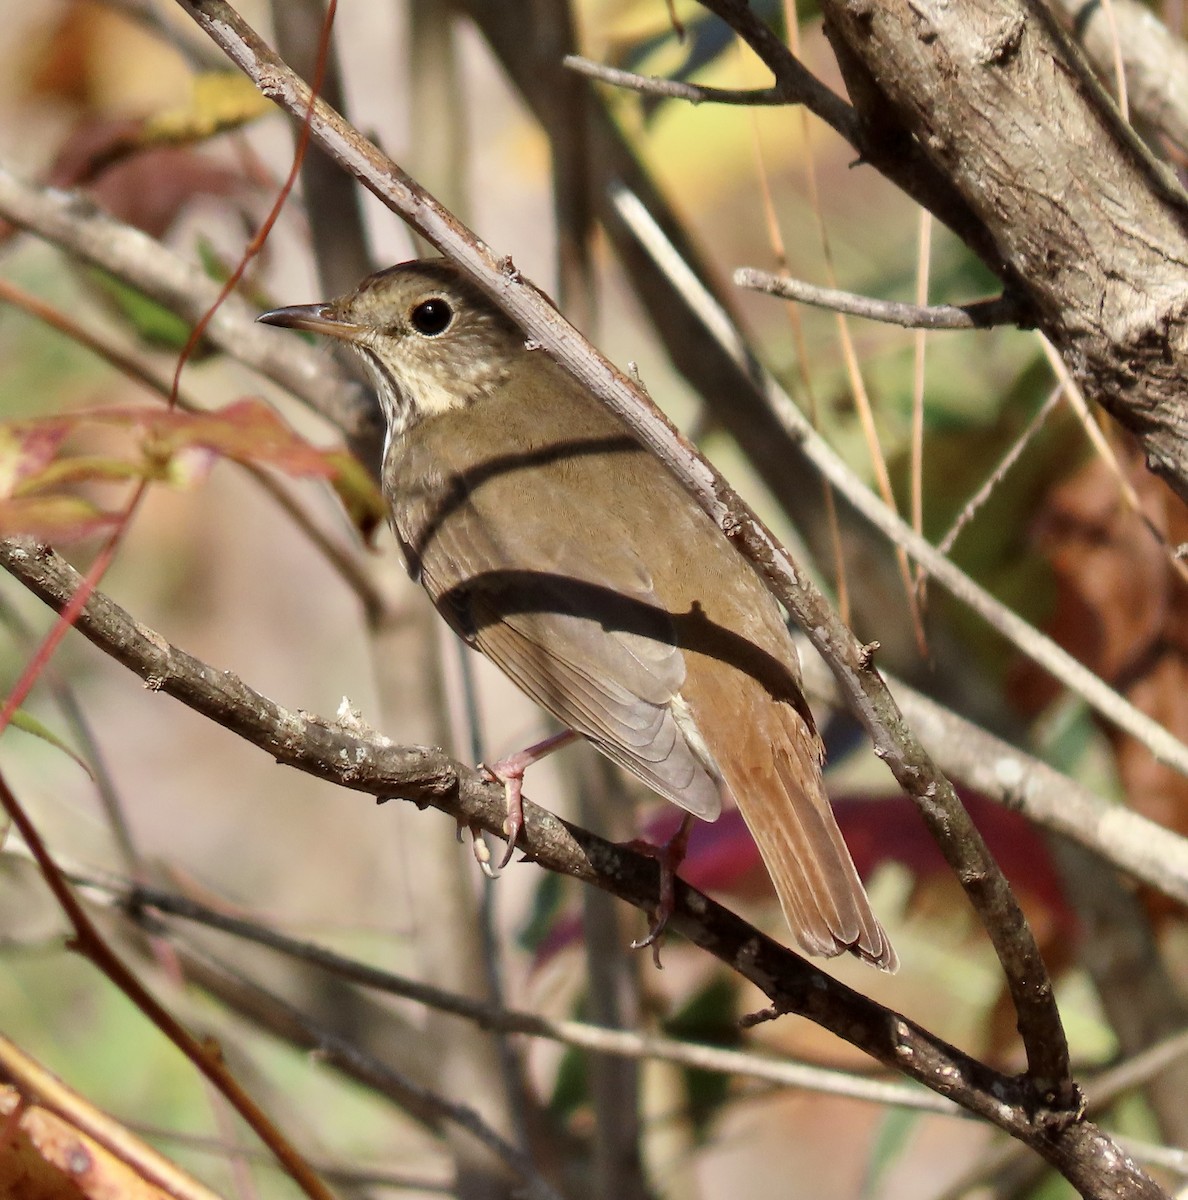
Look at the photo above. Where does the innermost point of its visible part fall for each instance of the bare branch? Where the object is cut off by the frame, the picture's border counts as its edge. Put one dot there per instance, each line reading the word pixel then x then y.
pixel 981 314
pixel 72 222
pixel 1039 1019
pixel 296 1026
pixel 623 1043
pixel 973 505
pixel 675 89
pixel 1142 848
pixel 1097 240
pixel 341 558
pixel 88 942
pixel 1154 60
pixel 1114 707
pixel 878 142
pixel 372 764
pixel 362 761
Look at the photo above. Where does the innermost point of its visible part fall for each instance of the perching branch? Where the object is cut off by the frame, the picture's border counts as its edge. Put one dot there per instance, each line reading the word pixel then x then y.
pixel 358 759
pixel 348 754
pixel 1027 978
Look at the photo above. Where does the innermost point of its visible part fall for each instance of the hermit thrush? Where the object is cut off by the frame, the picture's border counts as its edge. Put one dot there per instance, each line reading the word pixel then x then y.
pixel 555 543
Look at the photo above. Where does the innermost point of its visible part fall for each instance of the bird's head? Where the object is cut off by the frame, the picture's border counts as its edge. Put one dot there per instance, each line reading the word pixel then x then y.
pixel 431 340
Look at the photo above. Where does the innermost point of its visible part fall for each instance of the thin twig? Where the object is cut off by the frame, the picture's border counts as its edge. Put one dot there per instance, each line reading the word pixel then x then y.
pixel 1116 54
pixel 333 1172
pixel 76 718
pixel 980 314
pixel 72 221
pixel 602 1040
pixel 675 89
pixel 340 558
pixel 1145 850
pixel 792 77
pixel 89 943
pixel 1115 708
pixel 1105 452
pixel 346 1055
pixel 919 351
pixel 971 507
pixel 802 358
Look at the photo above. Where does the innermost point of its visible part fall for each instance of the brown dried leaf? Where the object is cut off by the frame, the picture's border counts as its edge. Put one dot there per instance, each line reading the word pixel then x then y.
pixel 1112 575
pixel 1122 609
pixel 54 1145
pixel 50 1160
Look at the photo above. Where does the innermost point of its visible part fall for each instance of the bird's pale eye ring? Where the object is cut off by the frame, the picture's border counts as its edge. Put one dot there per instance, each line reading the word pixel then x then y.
pixel 431 317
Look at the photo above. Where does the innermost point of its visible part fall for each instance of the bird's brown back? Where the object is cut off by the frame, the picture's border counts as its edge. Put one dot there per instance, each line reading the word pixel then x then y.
pixel 635 622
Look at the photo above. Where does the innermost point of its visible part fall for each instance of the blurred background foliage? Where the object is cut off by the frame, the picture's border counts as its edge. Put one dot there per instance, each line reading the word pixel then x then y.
pixel 222 571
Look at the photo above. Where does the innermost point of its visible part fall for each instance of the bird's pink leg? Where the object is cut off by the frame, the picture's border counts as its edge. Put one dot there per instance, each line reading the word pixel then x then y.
pixel 510 772
pixel 670 855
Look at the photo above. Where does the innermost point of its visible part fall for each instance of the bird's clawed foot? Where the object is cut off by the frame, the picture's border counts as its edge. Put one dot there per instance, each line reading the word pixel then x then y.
pixel 479 848
pixel 512 777
pixel 510 772
pixel 669 856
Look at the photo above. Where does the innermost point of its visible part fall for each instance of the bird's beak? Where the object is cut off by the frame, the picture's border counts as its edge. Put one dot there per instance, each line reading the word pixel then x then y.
pixel 315 318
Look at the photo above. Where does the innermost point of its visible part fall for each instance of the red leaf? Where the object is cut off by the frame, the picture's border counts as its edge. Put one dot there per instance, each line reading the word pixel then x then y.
pixel 248 431
pixel 27 448
pixel 53 518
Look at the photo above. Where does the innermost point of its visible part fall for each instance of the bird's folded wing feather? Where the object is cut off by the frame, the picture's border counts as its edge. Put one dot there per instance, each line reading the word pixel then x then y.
pixel 601 657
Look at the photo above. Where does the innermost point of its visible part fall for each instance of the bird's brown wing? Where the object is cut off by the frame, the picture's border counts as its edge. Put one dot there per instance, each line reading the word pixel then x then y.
pixel 602 660
pixel 690 683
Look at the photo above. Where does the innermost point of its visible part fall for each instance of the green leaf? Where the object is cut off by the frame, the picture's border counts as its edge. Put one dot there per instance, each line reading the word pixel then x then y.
pixel 710 1018
pixel 153 322
pixel 892 1138
pixel 30 724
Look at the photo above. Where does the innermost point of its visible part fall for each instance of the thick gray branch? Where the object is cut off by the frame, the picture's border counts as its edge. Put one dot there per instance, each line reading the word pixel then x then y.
pixel 356 758
pixel 1090 229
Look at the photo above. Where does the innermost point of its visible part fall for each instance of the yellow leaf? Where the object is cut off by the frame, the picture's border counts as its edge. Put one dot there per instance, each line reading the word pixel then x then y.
pixel 221 100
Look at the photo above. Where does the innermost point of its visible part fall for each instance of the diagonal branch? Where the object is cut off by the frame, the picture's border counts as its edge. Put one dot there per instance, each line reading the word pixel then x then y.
pixel 151 906
pixel 362 761
pixel 866 694
pixel 1040 648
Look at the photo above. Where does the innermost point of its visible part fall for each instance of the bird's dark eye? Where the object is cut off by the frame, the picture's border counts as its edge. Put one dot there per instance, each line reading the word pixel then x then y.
pixel 432 317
